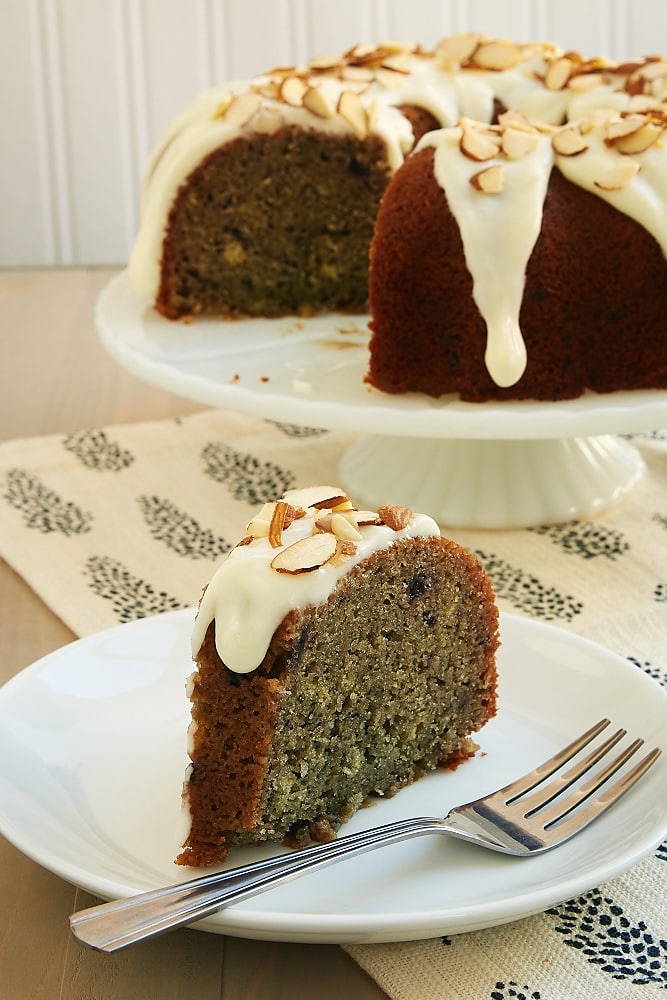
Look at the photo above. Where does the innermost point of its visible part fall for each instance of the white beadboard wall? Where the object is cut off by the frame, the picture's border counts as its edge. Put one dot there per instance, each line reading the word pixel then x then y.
pixel 88 85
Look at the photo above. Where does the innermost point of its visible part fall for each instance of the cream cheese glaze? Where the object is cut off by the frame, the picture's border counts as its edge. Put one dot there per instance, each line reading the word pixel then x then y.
pixel 247 598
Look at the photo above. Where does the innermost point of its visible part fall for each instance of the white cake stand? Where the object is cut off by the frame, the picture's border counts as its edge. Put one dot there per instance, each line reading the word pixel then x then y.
pixel 488 465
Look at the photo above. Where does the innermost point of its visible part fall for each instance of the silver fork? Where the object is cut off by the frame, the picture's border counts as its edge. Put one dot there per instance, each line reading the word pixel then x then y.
pixel 511 821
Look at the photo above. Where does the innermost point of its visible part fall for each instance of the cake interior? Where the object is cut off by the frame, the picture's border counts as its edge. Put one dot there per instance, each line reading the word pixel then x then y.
pixel 274 224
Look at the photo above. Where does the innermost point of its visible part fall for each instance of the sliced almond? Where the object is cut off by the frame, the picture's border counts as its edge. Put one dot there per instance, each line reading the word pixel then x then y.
pixel 653 69
pixel 344 528
pixel 351 110
pixel 324 64
pixel 306 555
pixel 242 109
pixel 246 540
pixel 292 90
pixel 489 181
pixel 639 140
pixel 277 524
pixel 624 125
pixel 267 120
pixel 322 497
pixel 559 73
pixel 583 82
pixel 222 108
pixel 456 50
pixel 357 74
pixel 395 517
pixel 344 551
pixel 517 143
pixel 478 145
pixel 389 78
pixel 318 103
pixel 569 142
pixel 323 522
pixel 259 526
pixel 498 55
pixel 366 517
pixel 515 119
pixel 617 177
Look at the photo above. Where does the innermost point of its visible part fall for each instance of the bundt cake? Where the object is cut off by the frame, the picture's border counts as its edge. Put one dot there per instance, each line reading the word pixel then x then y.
pixel 262 198
pixel 340 654
pixel 512 262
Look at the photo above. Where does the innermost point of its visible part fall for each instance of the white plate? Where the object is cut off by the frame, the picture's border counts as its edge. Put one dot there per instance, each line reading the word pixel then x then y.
pixel 311 372
pixel 92 754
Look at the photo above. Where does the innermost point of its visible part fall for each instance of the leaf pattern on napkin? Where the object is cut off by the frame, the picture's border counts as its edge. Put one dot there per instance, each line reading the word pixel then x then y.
pixel 586 539
pixel 42 508
pixel 131 596
pixel 512 991
pixel 96 450
pixel 599 929
pixel 180 532
pixel 246 477
pixel 526 592
pixel 655 671
pixel 297 430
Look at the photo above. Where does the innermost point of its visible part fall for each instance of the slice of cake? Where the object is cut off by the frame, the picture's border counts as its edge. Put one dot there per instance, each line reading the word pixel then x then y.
pixel 340 654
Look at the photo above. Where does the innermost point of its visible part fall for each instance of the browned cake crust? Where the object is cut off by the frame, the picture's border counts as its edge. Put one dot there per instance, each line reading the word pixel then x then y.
pixel 593 310
pixel 290 216
pixel 356 697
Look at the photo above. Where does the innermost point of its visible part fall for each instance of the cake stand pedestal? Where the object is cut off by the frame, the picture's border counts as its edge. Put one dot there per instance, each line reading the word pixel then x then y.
pixel 493 484
pixel 490 465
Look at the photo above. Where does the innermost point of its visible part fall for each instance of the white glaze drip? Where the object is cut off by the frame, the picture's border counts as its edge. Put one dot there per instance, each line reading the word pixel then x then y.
pixel 498 234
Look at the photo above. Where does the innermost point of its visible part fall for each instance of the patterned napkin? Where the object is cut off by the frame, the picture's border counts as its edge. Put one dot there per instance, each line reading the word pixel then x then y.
pixel 108 525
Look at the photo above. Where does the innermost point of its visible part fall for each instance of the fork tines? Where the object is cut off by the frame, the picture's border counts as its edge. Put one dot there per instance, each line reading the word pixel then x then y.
pixel 546 792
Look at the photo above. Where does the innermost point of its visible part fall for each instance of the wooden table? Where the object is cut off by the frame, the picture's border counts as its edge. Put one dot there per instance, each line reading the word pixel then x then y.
pixel 54 378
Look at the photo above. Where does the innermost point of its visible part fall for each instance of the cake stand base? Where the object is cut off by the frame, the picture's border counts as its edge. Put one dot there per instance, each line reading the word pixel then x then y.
pixel 496 483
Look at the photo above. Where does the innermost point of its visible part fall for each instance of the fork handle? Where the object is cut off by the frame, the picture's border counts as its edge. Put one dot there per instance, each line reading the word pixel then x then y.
pixel 111 926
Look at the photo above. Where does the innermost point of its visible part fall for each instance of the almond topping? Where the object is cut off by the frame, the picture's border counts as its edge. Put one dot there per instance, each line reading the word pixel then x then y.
pixel 457 49
pixel 654 69
pixel 364 517
pixel 324 64
pixel 639 140
pixel 316 496
pixel 395 517
pixel 344 528
pixel 292 90
pixel 306 555
pixel 497 55
pixel 315 101
pixel 242 109
pixel 479 146
pixel 354 113
pixel 558 73
pixel 344 551
pixel 517 143
pixel 389 78
pixel 358 74
pixel 277 524
pixel 489 181
pixel 618 176
pixel 259 526
pixel 624 125
pixel 515 119
pixel 569 142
